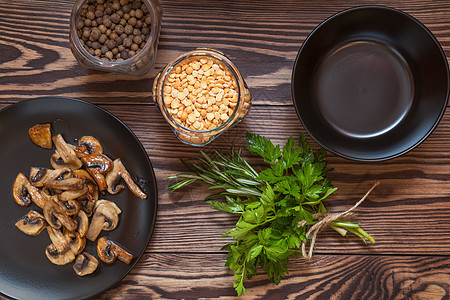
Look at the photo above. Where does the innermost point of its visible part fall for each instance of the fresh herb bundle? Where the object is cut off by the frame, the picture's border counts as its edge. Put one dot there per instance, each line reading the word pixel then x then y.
pixel 277 206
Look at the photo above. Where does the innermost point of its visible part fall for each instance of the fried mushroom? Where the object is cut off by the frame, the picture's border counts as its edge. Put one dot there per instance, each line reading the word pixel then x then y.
pixel 37 176
pixel 57 257
pixel 76 242
pixel 64 155
pixel 109 251
pixel 119 171
pixel 85 264
pixel 41 135
pixel 62 179
pixel 56 217
pixel 24 192
pixel 59 251
pixel 106 217
pixel 33 223
pixel 98 165
pixel 83 223
pixel 88 145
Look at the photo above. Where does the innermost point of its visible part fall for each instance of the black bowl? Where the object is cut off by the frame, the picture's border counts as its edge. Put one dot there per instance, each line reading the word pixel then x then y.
pixel 370 83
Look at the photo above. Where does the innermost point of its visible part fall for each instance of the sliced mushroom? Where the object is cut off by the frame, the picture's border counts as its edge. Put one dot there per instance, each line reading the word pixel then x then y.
pixel 33 223
pixel 76 242
pixel 88 145
pixel 65 155
pixel 119 171
pixel 85 264
pixel 90 184
pixel 41 135
pixel 59 251
pixel 109 251
pixel 63 179
pixel 70 207
pixel 88 206
pixel 98 165
pixel 106 217
pixel 74 195
pixel 57 257
pixel 37 176
pixel 83 174
pixel 20 191
pixel 49 194
pixel 55 216
pixel 83 223
pixel 23 192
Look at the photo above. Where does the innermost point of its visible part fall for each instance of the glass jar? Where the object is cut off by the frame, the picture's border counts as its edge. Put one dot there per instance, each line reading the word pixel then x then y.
pixel 137 65
pixel 207 107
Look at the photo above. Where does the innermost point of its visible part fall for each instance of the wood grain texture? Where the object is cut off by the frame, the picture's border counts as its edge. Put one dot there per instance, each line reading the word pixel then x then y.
pixel 408 214
pixel 185 276
pixel 261 37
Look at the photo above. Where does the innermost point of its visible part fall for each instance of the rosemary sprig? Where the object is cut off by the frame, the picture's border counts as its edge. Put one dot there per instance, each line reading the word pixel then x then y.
pixel 277 206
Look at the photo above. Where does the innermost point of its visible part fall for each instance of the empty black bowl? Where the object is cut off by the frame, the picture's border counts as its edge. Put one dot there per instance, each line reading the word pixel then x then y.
pixel 370 83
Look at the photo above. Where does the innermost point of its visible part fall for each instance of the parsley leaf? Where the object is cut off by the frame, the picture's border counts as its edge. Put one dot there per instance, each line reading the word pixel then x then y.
pixel 270 204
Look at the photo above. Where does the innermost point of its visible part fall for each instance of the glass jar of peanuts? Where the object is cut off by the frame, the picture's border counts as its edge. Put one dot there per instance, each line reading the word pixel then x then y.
pixel 118 36
pixel 201 94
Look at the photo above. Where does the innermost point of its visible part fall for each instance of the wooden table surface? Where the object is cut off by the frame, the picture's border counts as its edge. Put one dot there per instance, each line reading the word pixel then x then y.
pixel 408 214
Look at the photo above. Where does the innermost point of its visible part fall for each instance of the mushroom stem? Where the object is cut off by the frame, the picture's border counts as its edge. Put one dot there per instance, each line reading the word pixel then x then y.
pixel 119 171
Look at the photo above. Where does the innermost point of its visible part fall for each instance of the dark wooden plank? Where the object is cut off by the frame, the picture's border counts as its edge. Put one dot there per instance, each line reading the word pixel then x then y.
pixel 188 276
pixel 261 37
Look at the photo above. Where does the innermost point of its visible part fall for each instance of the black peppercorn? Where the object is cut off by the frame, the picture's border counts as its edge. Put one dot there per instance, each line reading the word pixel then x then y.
pixel 124 54
pixel 95 34
pixel 127 42
pixel 119 29
pixel 90 15
pixel 128 29
pixel 115 18
pixel 137 39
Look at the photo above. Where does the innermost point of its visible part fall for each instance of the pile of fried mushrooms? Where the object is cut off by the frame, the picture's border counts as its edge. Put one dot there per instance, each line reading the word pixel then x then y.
pixel 69 200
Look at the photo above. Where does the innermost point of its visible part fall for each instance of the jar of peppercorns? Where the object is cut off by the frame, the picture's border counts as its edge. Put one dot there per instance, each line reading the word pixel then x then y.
pixel 201 94
pixel 116 35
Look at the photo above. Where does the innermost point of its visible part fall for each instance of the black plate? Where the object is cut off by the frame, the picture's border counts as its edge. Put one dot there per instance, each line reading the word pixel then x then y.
pixel 25 271
pixel 370 83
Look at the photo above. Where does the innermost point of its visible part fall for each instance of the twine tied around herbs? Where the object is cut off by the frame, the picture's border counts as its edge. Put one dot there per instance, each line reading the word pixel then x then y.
pixel 327 219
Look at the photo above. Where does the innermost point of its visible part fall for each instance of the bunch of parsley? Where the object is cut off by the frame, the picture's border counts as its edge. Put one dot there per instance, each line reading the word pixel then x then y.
pixel 270 203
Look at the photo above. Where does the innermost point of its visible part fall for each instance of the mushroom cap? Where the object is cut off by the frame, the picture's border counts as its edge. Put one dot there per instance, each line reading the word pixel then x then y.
pixel 56 216
pixel 106 217
pixel 98 165
pixel 88 145
pixel 57 257
pixel 76 242
pixel 23 192
pixel 20 191
pixel 71 207
pixel 85 264
pixel 37 176
pixel 63 179
pixel 33 223
pixel 109 251
pixel 83 223
pixel 41 135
